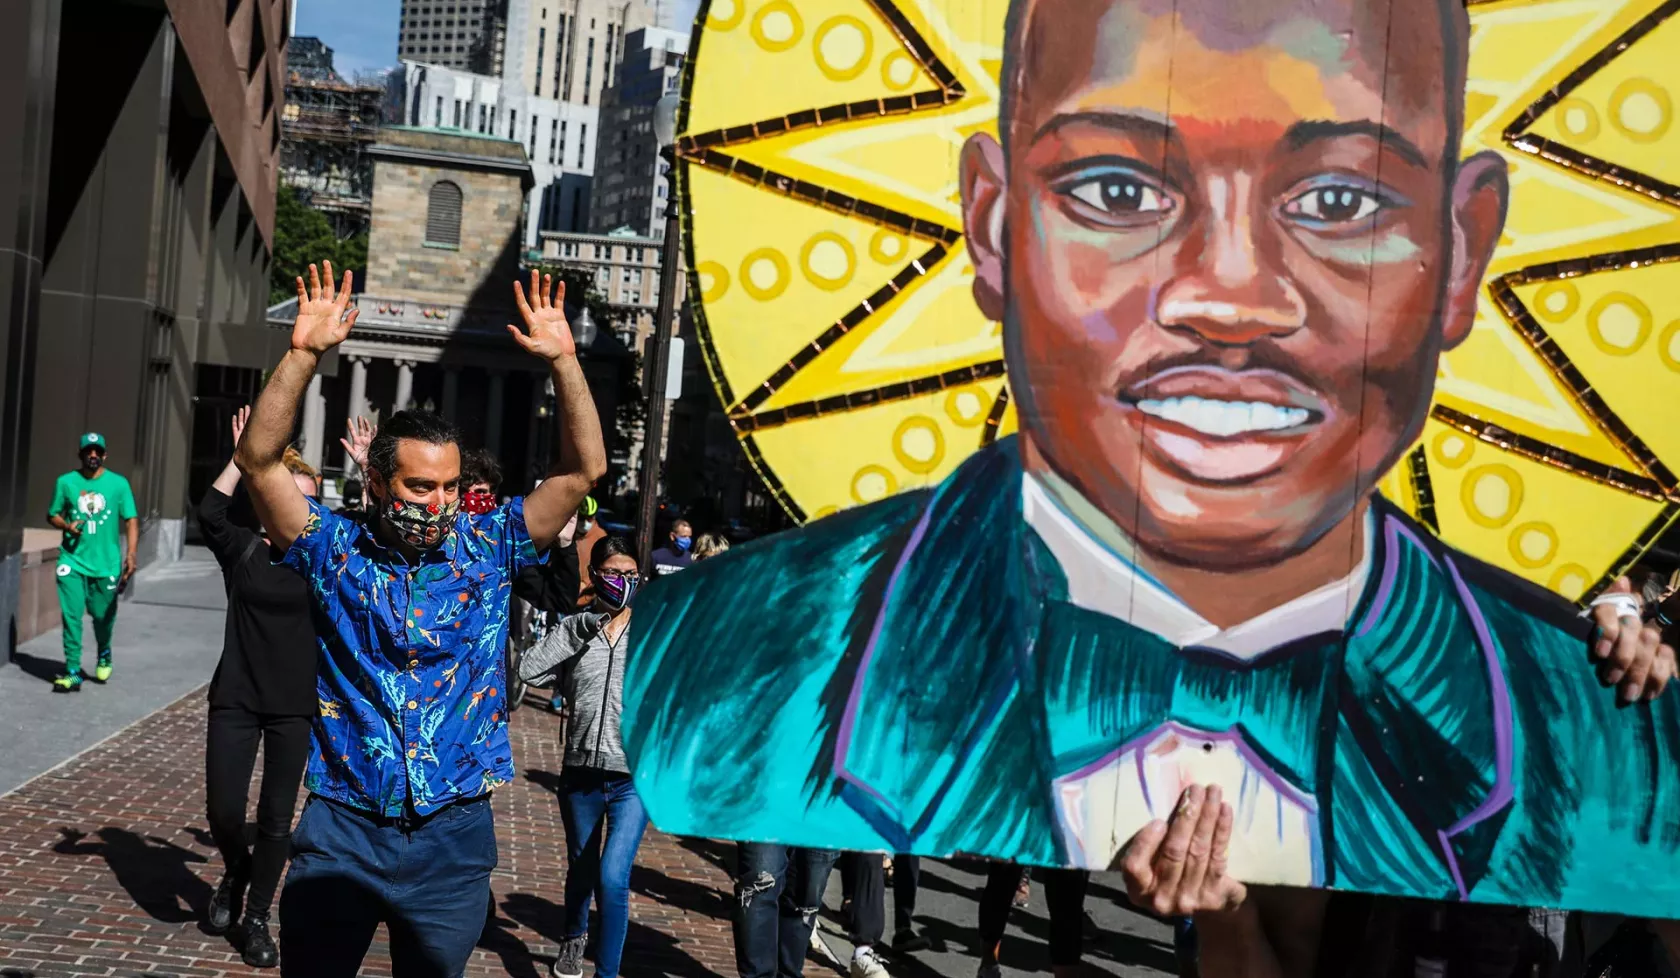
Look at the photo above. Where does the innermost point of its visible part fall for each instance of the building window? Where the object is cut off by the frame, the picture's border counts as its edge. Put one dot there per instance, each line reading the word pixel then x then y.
pixel 513 123
pixel 607 65
pixel 603 278
pixel 542 38
pixel 559 53
pixel 437 119
pixel 588 68
pixel 483 117
pixel 553 139
pixel 443 215
pixel 583 142
pixel 457 113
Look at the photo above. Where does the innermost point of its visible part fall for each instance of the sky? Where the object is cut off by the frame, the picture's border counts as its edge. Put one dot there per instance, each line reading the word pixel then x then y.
pixel 363 33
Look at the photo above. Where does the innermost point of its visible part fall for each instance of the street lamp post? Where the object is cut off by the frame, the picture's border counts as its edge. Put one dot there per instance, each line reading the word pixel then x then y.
pixel 657 363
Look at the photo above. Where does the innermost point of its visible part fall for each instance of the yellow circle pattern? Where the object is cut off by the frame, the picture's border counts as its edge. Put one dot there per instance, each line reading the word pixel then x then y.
pixel 1557 301
pixel 1492 495
pixel 1641 110
pixel 762 264
pixel 714 280
pixel 872 482
pixel 918 444
pixel 1533 545
pixel 843 47
pixel 1452 449
pixel 1619 324
pixel 777 26
pixel 828 261
pixel 725 15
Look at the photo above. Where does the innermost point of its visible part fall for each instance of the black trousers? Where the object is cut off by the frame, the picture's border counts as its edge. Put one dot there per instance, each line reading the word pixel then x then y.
pixel 230 755
pixel 1064 894
pixel 863 881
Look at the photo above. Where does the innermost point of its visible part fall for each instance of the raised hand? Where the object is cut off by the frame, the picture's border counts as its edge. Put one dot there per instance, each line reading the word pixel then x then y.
pixel 1628 653
pixel 1177 867
pixel 322 322
pixel 240 418
pixel 547 334
pixel 358 435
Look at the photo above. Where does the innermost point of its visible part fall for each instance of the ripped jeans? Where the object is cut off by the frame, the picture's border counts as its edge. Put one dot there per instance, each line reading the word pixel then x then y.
pixel 778 892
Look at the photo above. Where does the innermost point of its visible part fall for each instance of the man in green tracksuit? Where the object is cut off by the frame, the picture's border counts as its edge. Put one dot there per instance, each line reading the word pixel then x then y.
pixel 89 505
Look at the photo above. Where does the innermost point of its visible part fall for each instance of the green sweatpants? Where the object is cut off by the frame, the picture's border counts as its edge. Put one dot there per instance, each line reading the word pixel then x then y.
pixel 80 595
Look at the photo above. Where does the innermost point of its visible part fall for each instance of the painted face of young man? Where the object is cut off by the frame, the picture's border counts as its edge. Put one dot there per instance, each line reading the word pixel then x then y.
pixel 1228 247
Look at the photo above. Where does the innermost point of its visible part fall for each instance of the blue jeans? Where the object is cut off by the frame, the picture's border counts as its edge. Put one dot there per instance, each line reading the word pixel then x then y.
pixel 778 891
pixel 589 797
pixel 428 882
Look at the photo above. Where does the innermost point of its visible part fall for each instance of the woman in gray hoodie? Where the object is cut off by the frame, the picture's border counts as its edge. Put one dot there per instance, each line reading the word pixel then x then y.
pixel 585 654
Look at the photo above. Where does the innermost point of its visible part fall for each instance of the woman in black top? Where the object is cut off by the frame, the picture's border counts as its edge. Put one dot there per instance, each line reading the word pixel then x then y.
pixel 264 688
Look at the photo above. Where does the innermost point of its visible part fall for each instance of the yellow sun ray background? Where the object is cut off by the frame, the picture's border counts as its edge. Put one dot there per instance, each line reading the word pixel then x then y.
pixel 818 178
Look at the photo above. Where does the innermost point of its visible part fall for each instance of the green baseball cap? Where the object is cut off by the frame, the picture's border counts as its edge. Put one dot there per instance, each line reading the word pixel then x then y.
pixel 92 439
pixel 589 506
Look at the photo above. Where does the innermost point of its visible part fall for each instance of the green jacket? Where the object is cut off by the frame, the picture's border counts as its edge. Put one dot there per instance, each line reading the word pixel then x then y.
pixel 910 676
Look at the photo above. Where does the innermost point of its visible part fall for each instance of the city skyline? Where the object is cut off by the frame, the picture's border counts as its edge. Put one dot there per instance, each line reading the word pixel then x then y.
pixel 363 35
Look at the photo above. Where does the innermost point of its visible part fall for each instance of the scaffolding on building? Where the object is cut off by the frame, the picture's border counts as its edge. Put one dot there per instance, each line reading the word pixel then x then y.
pixel 326 128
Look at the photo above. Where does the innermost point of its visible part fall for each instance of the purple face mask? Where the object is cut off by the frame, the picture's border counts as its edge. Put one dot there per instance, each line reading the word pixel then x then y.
pixel 615 588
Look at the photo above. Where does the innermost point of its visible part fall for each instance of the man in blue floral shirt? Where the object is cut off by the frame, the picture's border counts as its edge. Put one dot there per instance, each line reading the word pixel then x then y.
pixel 411 610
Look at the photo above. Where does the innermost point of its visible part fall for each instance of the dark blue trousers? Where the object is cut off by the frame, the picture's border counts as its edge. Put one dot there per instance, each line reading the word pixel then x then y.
pixel 428 881
pixel 778 892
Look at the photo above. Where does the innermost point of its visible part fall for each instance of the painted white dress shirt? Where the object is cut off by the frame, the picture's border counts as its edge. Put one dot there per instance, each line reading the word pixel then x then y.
pixel 1276 833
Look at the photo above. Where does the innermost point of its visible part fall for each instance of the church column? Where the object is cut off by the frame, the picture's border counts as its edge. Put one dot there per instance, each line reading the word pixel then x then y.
pixel 314 423
pixel 405 385
pixel 358 387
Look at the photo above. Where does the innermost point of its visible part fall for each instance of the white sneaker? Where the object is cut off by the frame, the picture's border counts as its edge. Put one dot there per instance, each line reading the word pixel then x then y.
pixel 866 964
pixel 821 951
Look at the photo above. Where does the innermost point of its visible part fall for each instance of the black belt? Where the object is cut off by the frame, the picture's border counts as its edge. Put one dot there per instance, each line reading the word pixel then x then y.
pixel 408 821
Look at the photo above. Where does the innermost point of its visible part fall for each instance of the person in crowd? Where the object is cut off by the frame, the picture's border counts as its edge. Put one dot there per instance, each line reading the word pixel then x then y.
pixel 676 555
pixel 411 613
pixel 481 477
pixel 589 533
pixel 263 692
pixel 358 435
pixel 90 505
pixel 710 545
pixel 778 894
pixel 1064 894
pixel 543 594
pixel 865 890
pixel 352 501
pixel 602 813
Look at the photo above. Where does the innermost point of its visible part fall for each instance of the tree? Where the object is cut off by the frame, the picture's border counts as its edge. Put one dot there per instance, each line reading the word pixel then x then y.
pixel 302 235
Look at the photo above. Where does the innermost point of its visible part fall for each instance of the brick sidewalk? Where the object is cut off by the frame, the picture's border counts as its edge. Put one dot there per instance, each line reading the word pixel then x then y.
pixel 106 869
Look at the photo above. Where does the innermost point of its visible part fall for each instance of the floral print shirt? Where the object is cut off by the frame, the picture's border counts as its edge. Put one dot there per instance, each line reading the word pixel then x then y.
pixel 413 674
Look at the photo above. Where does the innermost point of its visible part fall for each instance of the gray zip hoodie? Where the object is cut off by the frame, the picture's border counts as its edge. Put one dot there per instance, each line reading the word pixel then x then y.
pixel 591 674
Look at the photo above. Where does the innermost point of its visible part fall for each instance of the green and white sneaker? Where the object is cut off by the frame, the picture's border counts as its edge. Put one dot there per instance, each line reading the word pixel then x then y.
pixel 102 671
pixel 67 684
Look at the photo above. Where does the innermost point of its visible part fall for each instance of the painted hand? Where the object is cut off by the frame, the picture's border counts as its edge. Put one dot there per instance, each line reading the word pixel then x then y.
pixel 358 435
pixel 322 320
pixel 1629 654
pixel 547 334
pixel 1177 867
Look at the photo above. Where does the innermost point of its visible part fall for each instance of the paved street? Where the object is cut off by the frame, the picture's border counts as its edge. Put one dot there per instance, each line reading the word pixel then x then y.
pixel 105 867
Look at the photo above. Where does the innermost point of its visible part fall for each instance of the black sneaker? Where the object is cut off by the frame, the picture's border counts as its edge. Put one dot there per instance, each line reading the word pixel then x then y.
pixel 908 941
pixel 226 903
pixel 256 945
pixel 568 963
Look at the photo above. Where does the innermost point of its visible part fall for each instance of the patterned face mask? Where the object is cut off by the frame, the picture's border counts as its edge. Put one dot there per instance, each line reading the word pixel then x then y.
pixel 421 525
pixel 615 589
pixel 478 503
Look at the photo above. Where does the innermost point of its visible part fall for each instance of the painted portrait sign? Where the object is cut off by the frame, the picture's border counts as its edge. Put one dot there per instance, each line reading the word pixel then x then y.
pixel 1235 392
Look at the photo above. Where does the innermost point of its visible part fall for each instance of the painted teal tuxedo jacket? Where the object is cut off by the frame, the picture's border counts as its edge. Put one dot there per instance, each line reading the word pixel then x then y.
pixel 911 676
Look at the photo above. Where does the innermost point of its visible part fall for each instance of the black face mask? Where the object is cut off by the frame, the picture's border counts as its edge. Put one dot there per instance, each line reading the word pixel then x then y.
pixel 93 461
